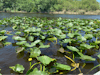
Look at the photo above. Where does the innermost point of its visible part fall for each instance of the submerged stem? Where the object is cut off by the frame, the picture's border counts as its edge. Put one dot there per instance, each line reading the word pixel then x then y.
pixel 69 58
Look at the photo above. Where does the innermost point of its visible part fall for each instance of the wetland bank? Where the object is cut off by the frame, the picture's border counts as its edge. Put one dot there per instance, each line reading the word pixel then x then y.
pixel 53 45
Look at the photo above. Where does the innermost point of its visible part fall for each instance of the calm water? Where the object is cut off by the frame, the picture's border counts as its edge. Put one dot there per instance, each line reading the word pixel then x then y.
pixel 8 56
pixel 7 15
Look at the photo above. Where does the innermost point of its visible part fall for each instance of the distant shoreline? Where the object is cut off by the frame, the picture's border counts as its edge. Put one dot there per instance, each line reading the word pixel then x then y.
pixel 80 12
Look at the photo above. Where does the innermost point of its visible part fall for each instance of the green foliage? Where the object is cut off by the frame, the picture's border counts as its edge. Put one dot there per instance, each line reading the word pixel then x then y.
pixel 48 5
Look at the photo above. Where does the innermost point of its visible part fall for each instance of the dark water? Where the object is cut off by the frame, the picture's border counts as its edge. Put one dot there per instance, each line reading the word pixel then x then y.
pixel 8 56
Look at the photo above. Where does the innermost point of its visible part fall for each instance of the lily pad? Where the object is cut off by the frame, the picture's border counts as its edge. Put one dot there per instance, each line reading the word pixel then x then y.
pixel 72 48
pixel 17 68
pixel 62 66
pixel 35 52
pixel 37 72
pixel 45 59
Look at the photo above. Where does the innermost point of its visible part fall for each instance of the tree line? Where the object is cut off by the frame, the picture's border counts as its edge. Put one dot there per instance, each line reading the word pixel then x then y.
pixel 48 5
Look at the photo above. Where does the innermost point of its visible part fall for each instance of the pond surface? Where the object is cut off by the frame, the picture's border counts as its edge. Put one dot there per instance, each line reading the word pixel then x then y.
pixel 9 57
pixel 7 15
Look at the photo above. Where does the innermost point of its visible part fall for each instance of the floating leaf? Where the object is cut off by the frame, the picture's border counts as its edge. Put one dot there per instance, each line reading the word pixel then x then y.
pixel 37 72
pixel 3 37
pixel 32 44
pixel 31 38
pixel 86 46
pixel 81 38
pixel 71 35
pixel 67 40
pixel 45 59
pixel 21 43
pixel 72 48
pixel 88 58
pixel 18 38
pixel 17 68
pixel 44 46
pixel 19 49
pixel 62 66
pixel 88 36
pixel 35 52
pixel 7 43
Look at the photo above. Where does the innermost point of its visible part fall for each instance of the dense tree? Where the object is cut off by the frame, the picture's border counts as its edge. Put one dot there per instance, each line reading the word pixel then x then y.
pixel 48 5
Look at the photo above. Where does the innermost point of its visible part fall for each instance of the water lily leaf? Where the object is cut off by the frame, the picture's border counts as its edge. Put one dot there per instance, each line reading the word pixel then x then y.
pixel 21 43
pixel 35 52
pixel 62 36
pixel 81 38
pixel 98 55
pixel 44 46
pixel 72 48
pixel 70 24
pixel 97 42
pixel 43 37
pixel 17 33
pixel 32 44
pixel 18 38
pixel 37 72
pixel 19 49
pixel 67 40
pixel 71 35
pixel 52 39
pixel 62 66
pixel 37 34
pixel 2 31
pixel 17 68
pixel 7 43
pixel 88 36
pixel 45 59
pixel 31 38
pixel 3 37
pixel 88 58
pixel 86 46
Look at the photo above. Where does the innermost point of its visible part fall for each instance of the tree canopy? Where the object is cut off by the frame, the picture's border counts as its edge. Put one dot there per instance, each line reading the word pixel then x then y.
pixel 48 5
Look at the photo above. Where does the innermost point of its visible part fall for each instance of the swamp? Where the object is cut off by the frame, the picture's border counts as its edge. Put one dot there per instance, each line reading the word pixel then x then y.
pixel 46 45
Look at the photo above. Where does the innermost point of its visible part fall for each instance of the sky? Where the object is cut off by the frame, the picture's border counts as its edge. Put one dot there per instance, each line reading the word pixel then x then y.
pixel 98 0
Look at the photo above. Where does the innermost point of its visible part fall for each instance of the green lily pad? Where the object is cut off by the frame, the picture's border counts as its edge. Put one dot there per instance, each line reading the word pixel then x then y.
pixel 88 36
pixel 2 31
pixel 71 35
pixel 18 38
pixel 86 46
pixel 21 43
pixel 72 48
pixel 70 24
pixel 35 52
pixel 32 44
pixel 81 38
pixel 7 43
pixel 17 68
pixel 88 58
pixel 45 59
pixel 67 40
pixel 62 66
pixel 37 72
pixel 31 38
pixel 44 46
pixel 19 49
pixel 17 33
pixel 3 37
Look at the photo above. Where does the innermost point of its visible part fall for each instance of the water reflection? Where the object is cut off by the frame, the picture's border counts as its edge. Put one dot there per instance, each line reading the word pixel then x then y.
pixel 41 15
